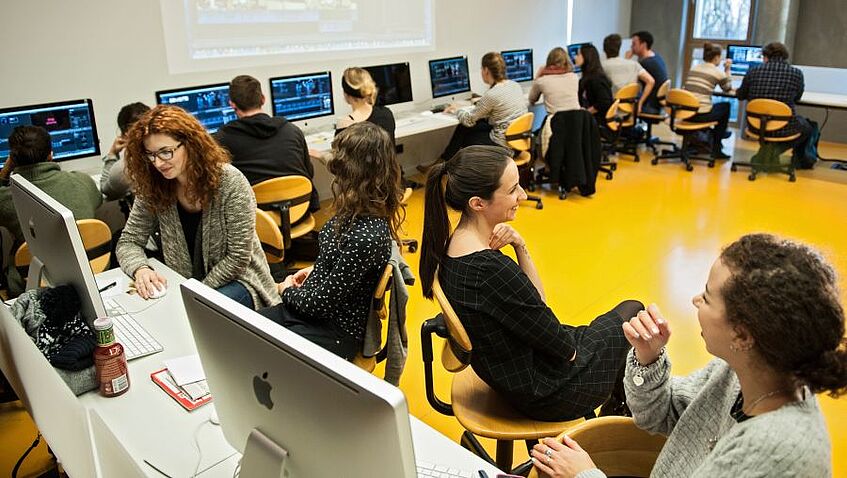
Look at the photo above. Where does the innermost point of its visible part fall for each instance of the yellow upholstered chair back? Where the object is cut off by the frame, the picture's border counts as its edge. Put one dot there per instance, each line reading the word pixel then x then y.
pixel 617 117
pixel 270 237
pixel 662 93
pixel 628 97
pixel 758 108
pixel 519 132
pixel 285 188
pixel 683 104
pixel 96 239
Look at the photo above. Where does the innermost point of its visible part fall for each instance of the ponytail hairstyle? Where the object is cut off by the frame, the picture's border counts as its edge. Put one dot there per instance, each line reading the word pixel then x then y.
pixel 496 66
pixel 358 83
pixel 474 171
pixel 785 296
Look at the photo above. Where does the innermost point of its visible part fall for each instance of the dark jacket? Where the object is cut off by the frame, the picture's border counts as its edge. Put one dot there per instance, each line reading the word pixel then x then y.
pixel 573 156
pixel 775 80
pixel 265 147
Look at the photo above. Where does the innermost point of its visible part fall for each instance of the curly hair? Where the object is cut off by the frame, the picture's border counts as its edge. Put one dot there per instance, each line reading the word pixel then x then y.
pixel 785 296
pixel 366 177
pixel 203 164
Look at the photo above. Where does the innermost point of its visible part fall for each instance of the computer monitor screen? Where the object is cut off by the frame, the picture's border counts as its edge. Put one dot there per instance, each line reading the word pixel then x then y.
pixel 573 50
pixel 394 82
pixel 302 97
pixel 54 241
pixel 518 64
pixel 209 104
pixel 73 132
pixel 304 399
pixel 449 76
pixel 743 57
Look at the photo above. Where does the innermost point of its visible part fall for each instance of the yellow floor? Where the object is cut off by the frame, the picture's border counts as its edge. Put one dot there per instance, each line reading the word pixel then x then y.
pixel 649 234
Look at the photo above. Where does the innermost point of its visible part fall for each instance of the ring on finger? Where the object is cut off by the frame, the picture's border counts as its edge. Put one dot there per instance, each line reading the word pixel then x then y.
pixel 548 452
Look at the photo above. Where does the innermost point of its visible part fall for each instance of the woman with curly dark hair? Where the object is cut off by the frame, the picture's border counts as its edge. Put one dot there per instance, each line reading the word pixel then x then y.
pixel 329 302
pixel 203 207
pixel 770 313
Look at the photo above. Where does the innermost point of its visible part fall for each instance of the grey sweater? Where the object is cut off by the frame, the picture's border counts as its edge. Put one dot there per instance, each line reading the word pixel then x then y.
pixel 231 248
pixel 705 441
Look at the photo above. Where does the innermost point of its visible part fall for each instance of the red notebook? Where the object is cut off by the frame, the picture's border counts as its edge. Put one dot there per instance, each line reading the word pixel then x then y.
pixel 163 379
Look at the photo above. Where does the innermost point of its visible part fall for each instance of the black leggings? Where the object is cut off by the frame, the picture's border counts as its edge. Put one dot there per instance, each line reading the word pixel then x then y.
pixel 464 136
pixel 326 335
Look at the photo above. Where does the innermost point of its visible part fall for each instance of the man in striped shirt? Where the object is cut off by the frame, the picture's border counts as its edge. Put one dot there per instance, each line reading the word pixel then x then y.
pixel 702 80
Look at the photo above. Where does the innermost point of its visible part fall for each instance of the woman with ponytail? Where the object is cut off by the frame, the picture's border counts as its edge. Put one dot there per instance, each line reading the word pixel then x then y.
pixel 547 370
pixel 770 313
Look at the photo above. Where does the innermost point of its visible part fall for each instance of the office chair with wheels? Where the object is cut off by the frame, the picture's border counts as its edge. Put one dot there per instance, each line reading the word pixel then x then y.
pixel 624 140
pixel 618 120
pixel 519 138
pixel 764 117
pixel 96 239
pixel 683 105
pixel 477 407
pixel 412 244
pixel 369 363
pixel 286 200
pixel 270 237
pixel 651 119
pixel 617 446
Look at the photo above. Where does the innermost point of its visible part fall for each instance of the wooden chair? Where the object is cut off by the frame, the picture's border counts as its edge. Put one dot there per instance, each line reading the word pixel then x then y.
pixel 519 138
pixel 286 199
pixel 617 446
pixel 651 119
pixel 369 363
pixel 764 117
pixel 96 238
pixel 412 244
pixel 683 105
pixel 477 407
pixel 270 237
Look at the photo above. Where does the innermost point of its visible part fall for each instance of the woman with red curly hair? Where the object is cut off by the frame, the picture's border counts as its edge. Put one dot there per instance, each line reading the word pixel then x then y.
pixel 203 207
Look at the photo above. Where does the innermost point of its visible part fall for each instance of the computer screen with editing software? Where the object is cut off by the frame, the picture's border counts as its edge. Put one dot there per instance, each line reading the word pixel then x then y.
pixel 449 76
pixel 73 132
pixel 300 407
pixel 743 58
pixel 300 97
pixel 518 64
pixel 394 82
pixel 208 103
pixel 573 50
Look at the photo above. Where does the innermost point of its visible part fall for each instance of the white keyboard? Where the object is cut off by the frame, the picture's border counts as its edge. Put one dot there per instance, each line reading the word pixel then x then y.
pixel 137 342
pixel 441 471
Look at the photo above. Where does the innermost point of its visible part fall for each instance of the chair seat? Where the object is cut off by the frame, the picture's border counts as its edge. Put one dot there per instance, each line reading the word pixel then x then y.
pixel 653 117
pixel 367 364
pixel 683 126
pixel 774 139
pixel 483 412
pixel 523 158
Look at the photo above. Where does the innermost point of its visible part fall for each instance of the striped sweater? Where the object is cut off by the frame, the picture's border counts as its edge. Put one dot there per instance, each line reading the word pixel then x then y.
pixel 702 80
pixel 500 105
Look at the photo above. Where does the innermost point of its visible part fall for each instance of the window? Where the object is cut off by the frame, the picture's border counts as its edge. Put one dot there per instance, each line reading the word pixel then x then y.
pixel 721 19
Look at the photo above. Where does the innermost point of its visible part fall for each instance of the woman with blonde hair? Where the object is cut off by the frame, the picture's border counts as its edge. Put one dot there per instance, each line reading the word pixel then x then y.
pixel 557 83
pixel 203 207
pixel 360 92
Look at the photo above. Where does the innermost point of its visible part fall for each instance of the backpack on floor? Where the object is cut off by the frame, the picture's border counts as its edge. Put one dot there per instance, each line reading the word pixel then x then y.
pixel 807 155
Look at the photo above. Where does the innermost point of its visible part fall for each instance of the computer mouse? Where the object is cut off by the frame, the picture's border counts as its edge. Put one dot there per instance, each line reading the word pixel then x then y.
pixel 159 292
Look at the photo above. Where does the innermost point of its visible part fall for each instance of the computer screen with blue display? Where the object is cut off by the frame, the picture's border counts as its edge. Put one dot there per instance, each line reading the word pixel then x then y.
pixel 209 103
pixel 743 57
pixel 73 132
pixel 573 50
pixel 302 97
pixel 394 82
pixel 518 64
pixel 449 76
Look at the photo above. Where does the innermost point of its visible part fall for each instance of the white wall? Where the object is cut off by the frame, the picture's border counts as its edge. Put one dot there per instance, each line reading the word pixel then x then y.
pixel 594 19
pixel 113 51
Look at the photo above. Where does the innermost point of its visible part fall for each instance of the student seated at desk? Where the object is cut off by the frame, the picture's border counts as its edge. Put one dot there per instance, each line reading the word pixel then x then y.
pixel 329 302
pixel 545 369
pixel 702 80
pixel 770 314
pixel 113 181
pixel 501 104
pixel 642 47
pixel 31 156
pixel 625 71
pixel 595 88
pixel 360 92
pixel 203 206
pixel 559 85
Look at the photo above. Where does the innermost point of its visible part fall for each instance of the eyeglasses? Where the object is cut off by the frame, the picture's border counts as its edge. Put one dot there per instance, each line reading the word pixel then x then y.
pixel 165 154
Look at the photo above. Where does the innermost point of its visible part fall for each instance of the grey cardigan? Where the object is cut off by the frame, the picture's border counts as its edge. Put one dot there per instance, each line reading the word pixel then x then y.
pixel 231 248
pixel 705 441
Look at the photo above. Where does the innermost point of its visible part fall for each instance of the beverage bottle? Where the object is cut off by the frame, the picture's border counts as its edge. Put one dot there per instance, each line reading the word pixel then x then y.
pixel 109 360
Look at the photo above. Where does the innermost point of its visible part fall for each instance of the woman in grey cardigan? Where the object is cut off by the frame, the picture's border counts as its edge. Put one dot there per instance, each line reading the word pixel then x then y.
pixel 770 314
pixel 203 207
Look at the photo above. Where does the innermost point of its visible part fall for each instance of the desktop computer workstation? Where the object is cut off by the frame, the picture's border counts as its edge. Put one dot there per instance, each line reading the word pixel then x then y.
pixel 73 131
pixel 302 97
pixel 743 58
pixel 208 103
pixel 394 82
pixel 518 64
pixel 449 77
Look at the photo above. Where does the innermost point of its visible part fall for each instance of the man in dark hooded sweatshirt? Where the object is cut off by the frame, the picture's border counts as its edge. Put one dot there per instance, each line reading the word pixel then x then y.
pixel 263 147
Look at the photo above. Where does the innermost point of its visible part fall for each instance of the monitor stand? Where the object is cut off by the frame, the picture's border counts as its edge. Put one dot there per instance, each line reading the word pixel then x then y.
pixel 35 274
pixel 262 457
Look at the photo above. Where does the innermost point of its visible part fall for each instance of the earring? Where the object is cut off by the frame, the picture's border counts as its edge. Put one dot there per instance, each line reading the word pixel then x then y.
pixel 733 347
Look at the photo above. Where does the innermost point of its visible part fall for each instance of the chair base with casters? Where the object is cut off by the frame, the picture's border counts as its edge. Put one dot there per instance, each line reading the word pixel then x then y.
pixel 683 153
pixel 755 168
pixel 411 244
pixel 523 160
pixel 651 119
pixel 765 117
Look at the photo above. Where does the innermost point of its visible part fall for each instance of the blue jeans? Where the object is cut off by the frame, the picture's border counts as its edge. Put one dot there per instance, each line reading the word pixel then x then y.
pixel 236 291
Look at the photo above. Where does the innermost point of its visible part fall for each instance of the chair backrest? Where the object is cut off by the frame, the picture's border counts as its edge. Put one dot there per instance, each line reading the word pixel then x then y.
pixel 296 190
pixel 617 118
pixel 776 113
pixel 378 304
pixel 662 92
pixel 617 446
pixel 682 104
pixel 96 238
pixel 270 237
pixel 519 132
pixel 628 96
pixel 456 354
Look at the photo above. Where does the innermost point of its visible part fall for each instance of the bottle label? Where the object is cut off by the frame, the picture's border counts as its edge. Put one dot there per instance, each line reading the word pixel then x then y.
pixel 105 337
pixel 111 368
pixel 120 384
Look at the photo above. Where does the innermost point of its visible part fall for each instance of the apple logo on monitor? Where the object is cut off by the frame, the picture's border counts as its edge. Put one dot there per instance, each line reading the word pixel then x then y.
pixel 262 389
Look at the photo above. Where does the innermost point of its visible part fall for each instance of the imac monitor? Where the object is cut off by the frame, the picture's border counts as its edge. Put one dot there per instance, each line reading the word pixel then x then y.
pixel 449 76
pixel 518 64
pixel 290 397
pixel 573 50
pixel 56 246
pixel 393 81
pixel 73 132
pixel 743 57
pixel 209 104
pixel 302 97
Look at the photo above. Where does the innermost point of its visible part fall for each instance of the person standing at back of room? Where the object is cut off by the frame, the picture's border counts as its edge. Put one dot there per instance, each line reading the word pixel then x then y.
pixel 642 47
